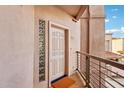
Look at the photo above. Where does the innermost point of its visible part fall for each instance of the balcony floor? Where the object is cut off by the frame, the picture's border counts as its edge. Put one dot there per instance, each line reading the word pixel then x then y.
pixel 79 82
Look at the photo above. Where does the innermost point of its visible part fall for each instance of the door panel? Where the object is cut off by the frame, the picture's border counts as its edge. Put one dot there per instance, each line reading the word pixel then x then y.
pixel 57 52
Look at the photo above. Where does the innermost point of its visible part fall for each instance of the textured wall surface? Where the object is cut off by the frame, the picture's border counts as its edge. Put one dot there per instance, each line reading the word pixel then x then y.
pixel 56 15
pixel 117 45
pixel 16 46
pixel 108 42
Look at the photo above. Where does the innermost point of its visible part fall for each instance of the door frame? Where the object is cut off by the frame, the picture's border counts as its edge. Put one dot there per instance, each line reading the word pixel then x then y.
pixel 67 52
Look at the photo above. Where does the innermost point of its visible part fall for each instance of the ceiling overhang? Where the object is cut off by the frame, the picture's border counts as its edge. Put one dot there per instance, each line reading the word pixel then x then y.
pixel 76 11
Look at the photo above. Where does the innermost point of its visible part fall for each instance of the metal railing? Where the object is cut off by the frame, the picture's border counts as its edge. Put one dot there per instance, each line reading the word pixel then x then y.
pixel 99 72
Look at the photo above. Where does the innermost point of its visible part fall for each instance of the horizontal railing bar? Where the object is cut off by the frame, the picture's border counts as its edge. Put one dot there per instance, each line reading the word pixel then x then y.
pixel 109 84
pixel 92 84
pixel 92 80
pixel 113 63
pixel 95 82
pixel 103 79
pixel 109 77
pixel 82 59
pixel 108 69
pixel 96 79
pixel 83 63
pixel 102 60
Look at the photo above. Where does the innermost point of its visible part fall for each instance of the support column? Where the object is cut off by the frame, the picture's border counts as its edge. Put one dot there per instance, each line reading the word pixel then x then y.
pixel 93 34
pixel 97 30
pixel 93 31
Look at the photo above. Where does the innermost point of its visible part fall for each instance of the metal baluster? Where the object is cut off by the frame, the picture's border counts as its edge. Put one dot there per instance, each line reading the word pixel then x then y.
pixel 87 71
pixel 77 61
pixel 99 74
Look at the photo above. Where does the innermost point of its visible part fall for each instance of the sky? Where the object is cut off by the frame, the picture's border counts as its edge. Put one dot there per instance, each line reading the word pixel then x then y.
pixel 114 21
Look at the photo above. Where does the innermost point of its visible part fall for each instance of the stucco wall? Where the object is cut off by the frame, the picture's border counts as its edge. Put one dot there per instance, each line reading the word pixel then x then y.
pixel 117 45
pixel 96 31
pixel 108 42
pixel 16 46
pixel 56 15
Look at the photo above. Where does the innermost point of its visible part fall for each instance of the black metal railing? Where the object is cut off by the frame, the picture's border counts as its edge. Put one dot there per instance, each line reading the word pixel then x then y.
pixel 99 72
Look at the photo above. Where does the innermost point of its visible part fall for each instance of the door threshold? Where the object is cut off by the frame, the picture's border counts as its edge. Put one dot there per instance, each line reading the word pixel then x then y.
pixel 58 79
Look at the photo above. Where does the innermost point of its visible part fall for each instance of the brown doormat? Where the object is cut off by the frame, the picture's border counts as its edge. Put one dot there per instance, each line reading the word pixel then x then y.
pixel 63 83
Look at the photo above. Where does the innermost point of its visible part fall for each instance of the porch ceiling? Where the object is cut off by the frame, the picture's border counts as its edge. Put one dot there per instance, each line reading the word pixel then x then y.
pixel 75 11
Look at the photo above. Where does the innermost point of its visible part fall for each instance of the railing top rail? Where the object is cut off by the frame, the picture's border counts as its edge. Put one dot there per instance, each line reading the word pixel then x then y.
pixel 110 62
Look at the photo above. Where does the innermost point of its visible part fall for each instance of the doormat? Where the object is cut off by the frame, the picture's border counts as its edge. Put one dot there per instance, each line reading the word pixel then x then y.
pixel 65 82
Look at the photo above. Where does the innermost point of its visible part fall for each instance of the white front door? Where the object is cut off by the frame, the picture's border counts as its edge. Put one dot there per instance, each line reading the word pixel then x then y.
pixel 57 53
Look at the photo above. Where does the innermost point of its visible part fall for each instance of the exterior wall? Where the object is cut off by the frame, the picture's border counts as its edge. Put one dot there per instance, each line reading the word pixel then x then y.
pixel 16 46
pixel 56 15
pixel 117 45
pixel 96 31
pixel 108 42
pixel 84 32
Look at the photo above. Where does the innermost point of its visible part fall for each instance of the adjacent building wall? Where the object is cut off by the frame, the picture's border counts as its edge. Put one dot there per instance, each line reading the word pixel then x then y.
pixel 16 46
pixel 117 45
pixel 108 42
pixel 56 15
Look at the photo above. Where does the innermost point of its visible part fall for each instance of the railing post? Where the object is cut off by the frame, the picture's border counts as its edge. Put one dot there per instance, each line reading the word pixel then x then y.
pixel 99 74
pixel 77 60
pixel 87 71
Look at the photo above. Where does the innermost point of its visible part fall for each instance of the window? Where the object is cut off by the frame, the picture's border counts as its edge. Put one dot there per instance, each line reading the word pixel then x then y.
pixel 41 50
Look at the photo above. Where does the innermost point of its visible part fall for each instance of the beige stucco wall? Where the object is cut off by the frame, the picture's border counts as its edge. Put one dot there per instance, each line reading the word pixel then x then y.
pixel 56 15
pixel 96 31
pixel 108 42
pixel 117 45
pixel 16 46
